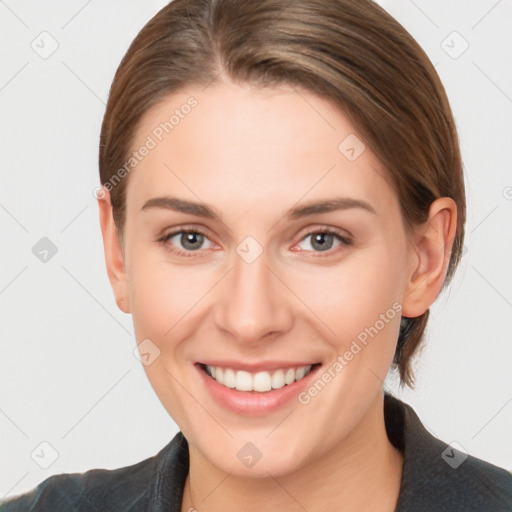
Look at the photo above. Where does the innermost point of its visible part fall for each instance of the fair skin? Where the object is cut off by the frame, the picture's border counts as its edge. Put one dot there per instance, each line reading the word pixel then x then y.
pixel 251 155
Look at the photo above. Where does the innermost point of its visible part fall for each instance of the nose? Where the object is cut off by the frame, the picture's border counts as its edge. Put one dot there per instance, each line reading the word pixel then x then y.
pixel 253 304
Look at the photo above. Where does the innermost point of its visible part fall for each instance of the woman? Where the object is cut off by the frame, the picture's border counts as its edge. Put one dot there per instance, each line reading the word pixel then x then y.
pixel 282 202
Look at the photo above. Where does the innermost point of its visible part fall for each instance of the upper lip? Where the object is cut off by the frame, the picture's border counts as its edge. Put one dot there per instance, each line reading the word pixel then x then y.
pixel 259 366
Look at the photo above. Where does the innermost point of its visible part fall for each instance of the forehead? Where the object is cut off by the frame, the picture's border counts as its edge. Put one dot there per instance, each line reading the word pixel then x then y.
pixel 242 144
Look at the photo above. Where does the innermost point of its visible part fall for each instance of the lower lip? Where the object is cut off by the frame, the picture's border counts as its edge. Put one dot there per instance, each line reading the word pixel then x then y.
pixel 254 403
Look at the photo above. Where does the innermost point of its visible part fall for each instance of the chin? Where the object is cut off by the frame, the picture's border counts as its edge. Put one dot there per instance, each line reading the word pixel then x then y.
pixel 243 458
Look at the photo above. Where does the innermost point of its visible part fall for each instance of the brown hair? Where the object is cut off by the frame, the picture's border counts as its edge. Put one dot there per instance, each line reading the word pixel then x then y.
pixel 349 51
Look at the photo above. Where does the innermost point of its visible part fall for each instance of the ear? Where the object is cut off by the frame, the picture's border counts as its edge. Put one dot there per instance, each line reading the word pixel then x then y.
pixel 114 256
pixel 431 248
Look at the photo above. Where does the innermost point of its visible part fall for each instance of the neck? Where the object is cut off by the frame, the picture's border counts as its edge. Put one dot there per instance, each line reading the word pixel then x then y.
pixel 362 472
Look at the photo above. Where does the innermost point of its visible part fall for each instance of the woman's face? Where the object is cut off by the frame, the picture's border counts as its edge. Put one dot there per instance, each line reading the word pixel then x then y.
pixel 296 255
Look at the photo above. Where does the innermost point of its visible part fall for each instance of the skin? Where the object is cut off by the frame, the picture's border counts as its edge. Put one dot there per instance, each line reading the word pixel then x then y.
pixel 252 154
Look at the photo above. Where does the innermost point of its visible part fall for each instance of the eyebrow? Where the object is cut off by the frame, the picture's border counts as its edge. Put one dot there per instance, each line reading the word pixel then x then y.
pixel 312 208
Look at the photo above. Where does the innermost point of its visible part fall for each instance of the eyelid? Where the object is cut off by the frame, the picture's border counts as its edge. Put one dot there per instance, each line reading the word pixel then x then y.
pixel 342 234
pixel 170 232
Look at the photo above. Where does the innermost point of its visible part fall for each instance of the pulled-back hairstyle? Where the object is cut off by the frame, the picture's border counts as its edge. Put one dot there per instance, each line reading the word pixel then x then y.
pixel 349 51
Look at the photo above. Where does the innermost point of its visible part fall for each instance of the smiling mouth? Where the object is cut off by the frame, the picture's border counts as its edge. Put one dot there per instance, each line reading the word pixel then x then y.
pixel 260 382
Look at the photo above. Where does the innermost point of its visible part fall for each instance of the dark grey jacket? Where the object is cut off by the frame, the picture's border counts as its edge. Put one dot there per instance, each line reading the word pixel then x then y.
pixel 436 478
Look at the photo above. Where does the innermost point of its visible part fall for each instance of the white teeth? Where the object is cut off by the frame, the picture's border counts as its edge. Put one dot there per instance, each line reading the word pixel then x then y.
pixel 260 381
pixel 290 376
pixel 278 379
pixel 229 378
pixel 243 381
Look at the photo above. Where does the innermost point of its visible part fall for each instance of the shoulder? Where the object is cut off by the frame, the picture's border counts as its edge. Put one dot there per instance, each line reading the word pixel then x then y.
pixel 93 490
pixel 453 480
pixel 437 476
pixel 128 488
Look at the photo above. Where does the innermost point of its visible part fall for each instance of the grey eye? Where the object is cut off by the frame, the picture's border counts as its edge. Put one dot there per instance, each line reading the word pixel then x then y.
pixel 191 241
pixel 322 241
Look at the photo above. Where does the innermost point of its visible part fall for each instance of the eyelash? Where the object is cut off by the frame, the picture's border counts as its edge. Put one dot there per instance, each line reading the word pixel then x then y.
pixel 345 241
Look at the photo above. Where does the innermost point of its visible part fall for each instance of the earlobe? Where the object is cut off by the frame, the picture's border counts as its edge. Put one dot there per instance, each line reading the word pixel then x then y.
pixel 431 248
pixel 114 257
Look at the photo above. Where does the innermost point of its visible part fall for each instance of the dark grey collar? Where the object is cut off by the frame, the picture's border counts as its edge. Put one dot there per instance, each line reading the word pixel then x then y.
pixel 430 483
pixel 438 478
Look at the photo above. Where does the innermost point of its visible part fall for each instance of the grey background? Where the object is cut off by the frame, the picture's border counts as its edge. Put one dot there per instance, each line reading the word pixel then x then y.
pixel 68 374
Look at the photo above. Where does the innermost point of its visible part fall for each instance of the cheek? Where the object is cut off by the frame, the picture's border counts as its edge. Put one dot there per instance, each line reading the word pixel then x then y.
pixel 165 303
pixel 152 301
pixel 351 294
pixel 360 298
pixel 162 295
